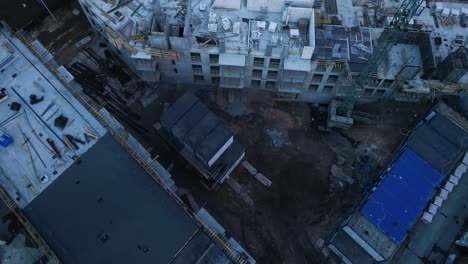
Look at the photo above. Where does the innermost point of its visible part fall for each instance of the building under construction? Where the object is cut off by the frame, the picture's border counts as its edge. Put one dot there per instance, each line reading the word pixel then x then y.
pixel 455 66
pixel 294 49
pixel 83 188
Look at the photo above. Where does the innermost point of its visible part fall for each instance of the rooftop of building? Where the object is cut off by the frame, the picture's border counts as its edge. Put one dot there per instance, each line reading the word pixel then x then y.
pixel 347 248
pixel 432 241
pixel 107 209
pixel 270 28
pixel 447 26
pixel 399 199
pixel 390 213
pixel 79 211
pixel 450 134
pixel 343 43
pixel 22 165
pixel 256 27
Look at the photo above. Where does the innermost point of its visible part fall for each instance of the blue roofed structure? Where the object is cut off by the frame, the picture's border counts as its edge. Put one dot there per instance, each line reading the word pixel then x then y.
pixel 398 201
pixel 389 221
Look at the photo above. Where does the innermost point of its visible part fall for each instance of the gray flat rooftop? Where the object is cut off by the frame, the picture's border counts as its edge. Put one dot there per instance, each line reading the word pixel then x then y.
pixel 346 245
pixel 450 139
pixel 432 241
pixel 371 234
pixel 108 194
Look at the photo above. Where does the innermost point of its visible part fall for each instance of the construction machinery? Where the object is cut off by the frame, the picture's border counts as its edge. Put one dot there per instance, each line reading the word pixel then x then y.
pixel 397 27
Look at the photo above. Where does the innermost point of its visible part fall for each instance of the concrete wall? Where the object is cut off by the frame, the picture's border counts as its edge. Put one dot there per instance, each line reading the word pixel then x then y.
pixel 318 85
pixel 423 41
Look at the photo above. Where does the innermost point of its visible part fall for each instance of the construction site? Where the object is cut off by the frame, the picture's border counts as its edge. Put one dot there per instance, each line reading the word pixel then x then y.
pixel 228 131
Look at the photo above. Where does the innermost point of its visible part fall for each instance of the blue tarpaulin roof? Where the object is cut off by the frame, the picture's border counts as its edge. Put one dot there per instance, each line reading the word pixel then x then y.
pixel 408 185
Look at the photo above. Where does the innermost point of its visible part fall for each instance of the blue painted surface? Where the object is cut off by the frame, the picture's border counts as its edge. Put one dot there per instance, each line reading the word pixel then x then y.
pixel 375 212
pixel 394 185
pixel 399 199
pixel 414 163
pixel 5 139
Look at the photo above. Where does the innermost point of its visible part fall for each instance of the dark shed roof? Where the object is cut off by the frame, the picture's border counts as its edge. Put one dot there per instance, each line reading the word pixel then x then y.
pixel 200 132
pixel 108 209
pixel 439 141
pixel 213 143
pixel 177 110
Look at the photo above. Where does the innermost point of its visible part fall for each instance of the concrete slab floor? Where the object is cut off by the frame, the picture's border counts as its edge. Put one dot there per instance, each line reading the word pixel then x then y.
pixel 23 165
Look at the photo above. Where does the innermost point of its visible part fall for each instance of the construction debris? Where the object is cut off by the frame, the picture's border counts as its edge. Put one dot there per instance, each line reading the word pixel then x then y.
pixel 72 142
pixel 338 173
pixel 61 121
pixel 54 148
pixel 251 169
pixel 39 86
pixel 264 180
pixel 34 99
pixel 3 95
pixel 15 106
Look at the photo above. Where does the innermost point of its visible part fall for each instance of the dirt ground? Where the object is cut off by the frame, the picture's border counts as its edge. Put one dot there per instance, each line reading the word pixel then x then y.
pixel 60 37
pixel 287 220
pixel 304 204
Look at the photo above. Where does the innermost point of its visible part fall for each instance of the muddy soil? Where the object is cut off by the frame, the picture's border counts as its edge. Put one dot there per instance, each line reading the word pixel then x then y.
pixel 304 203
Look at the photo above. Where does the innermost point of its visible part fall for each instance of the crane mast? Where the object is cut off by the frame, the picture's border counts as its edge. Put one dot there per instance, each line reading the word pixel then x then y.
pixel 397 27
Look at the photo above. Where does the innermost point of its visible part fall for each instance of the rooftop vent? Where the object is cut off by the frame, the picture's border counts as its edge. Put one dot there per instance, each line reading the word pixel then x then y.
pixel 294 33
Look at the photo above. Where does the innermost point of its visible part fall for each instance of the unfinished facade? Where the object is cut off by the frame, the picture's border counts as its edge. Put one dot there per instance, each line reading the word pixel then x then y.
pixel 455 66
pixel 287 47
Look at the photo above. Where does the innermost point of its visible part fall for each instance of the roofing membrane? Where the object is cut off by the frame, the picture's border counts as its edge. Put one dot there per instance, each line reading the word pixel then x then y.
pixel 105 208
pixel 190 120
pixel 451 141
pixel 408 185
pixel 178 109
pixel 202 136
pixel 200 132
